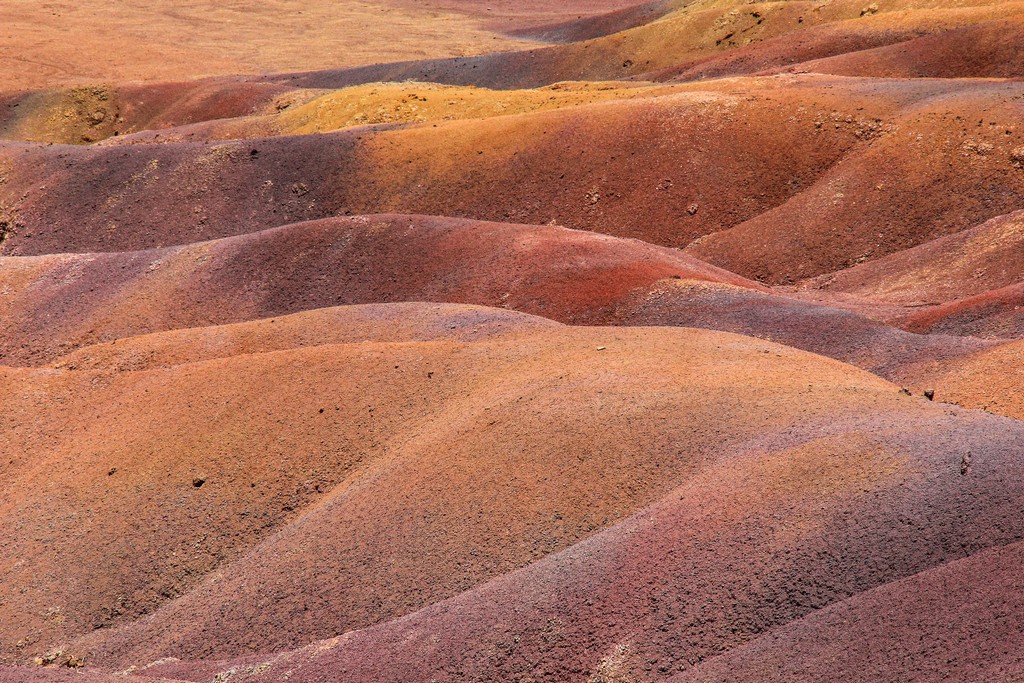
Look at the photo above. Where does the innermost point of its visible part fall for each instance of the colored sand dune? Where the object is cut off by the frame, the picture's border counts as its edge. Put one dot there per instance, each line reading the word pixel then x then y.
pixel 513 341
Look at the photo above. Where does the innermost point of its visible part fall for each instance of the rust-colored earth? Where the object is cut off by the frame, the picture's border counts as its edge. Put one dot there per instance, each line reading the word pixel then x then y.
pixel 443 340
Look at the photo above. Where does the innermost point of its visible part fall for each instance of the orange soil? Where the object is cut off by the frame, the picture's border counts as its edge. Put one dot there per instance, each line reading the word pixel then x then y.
pixel 814 518
pixel 141 439
pixel 690 179
pixel 987 379
pixel 282 401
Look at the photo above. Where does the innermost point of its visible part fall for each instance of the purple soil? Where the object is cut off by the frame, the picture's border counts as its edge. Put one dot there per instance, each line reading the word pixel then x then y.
pixel 808 159
pixel 744 546
pixel 831 331
pixel 519 460
pixel 60 303
pixel 783 53
pixel 293 440
pixel 962 621
pixel 993 49
pixel 600 25
pixel 889 195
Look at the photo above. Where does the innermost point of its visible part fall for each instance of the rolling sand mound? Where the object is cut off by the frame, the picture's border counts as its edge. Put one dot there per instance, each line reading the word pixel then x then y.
pixel 990 49
pixel 915 361
pixel 996 314
pixel 974 261
pixel 304 561
pixel 691 177
pixel 670 43
pixel 829 330
pixel 166 444
pixel 302 379
pixel 93 113
pixel 969 43
pixel 408 322
pixel 839 173
pixel 59 303
pixel 676 40
pixel 386 103
pixel 785 53
pixel 636 14
pixel 957 154
pixel 745 543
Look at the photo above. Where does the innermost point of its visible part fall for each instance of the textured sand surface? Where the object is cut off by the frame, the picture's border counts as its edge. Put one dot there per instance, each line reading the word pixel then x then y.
pixel 443 340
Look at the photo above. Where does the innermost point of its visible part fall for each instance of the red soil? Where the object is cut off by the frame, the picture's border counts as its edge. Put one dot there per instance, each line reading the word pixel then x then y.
pixel 830 330
pixel 995 314
pixel 62 303
pixel 251 433
pixel 59 303
pixel 993 49
pixel 92 113
pixel 872 48
pixel 602 24
pixel 786 53
pixel 968 263
pixel 890 195
pixel 810 161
